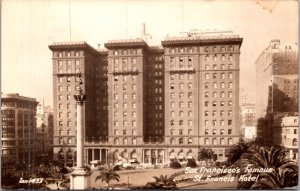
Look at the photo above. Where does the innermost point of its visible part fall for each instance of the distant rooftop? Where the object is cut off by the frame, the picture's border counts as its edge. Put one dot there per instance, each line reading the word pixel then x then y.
pixel 17 96
pixel 126 42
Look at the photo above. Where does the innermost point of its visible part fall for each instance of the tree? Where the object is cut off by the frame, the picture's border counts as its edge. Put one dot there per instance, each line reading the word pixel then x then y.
pixel 284 172
pixel 205 154
pixel 162 182
pixel 108 175
pixel 236 152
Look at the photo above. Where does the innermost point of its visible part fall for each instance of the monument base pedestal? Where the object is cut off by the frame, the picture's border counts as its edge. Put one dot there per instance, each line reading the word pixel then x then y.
pixel 80 180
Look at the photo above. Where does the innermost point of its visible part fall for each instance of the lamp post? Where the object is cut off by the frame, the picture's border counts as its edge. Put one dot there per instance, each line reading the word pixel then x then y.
pixel 80 179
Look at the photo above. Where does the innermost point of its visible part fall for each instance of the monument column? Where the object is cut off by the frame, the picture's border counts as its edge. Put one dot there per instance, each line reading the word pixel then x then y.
pixel 80 179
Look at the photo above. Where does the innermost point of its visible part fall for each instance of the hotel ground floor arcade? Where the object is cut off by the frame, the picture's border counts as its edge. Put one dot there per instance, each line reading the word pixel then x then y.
pixel 152 154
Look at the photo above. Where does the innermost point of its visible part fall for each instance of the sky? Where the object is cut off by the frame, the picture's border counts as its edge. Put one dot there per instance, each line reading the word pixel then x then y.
pixel 29 26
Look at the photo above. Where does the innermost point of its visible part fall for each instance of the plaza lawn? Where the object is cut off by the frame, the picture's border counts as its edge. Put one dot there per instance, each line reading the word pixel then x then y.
pixel 140 177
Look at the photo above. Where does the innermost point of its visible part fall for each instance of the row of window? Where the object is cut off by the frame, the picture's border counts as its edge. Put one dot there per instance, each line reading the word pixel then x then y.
pixel 181 76
pixel 125 87
pixel 19 104
pixel 221 57
pixel 181 95
pixel 69 123
pixel 125 132
pixel 214 122
pixel 125 78
pixel 125 96
pixel 215 75
pixel 61 141
pixel 215 142
pixel 8 143
pixel 181 86
pixel 196 49
pixel 69 63
pixel 60 106
pixel 125 123
pixel 125 105
pixel 126 52
pixel 124 62
pixel 180 132
pixel 180 141
pixel 214 94
pixel 61 88
pixel 181 122
pixel 181 104
pixel 214 103
pixel 66 54
pixel 60 114
pixel 125 141
pixel 181 114
pixel 215 67
pixel 68 97
pixel 222 113
pixel 157 66
pixel 215 85
pixel 125 114
pixel 69 70
pixel 61 132
pixel 68 79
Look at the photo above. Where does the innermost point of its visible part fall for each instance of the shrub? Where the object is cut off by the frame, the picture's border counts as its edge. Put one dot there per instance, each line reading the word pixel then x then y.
pixel 191 163
pixel 175 164
pixel 117 167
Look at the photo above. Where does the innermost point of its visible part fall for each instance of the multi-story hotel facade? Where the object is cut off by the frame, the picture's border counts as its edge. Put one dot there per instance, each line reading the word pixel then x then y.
pixel 277 83
pixel 148 103
pixel 18 129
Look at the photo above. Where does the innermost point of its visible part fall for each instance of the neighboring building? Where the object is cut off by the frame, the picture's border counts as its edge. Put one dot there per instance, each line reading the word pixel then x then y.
pixel 18 129
pixel 248 121
pixel 153 104
pixel 44 133
pixel 286 134
pixel 243 96
pixel 277 85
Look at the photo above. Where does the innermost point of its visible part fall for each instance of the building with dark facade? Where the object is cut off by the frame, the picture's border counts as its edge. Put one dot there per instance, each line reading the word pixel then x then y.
pixel 18 129
pixel 149 103
pixel 277 86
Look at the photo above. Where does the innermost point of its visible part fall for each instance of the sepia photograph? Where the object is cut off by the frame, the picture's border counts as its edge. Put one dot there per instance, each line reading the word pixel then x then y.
pixel 149 94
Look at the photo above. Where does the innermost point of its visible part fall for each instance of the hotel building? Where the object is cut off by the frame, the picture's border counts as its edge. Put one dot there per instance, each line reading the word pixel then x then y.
pixel 148 103
pixel 18 129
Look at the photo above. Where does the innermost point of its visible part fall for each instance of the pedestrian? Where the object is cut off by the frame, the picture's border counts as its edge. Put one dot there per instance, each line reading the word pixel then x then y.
pixel 57 184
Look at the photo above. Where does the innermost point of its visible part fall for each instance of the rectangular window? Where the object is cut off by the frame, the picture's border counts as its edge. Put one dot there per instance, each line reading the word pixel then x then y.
pixel 206 132
pixel 206 85
pixel 206 94
pixel 207 76
pixel 180 104
pixel 229 131
pixel 222 131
